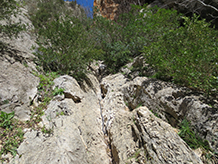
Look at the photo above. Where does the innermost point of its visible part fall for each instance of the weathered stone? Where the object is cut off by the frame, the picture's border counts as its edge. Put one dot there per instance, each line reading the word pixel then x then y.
pixel 168 101
pixel 77 135
pixel 18 86
pixel 139 135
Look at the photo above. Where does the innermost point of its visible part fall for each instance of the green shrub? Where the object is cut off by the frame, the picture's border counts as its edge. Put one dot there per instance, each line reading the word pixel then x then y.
pixel 188 55
pixel 47 10
pixel 65 47
pixel 9 8
pixel 125 38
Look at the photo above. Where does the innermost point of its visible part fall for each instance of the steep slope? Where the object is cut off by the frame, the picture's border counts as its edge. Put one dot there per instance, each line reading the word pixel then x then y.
pixel 102 120
pixel 93 130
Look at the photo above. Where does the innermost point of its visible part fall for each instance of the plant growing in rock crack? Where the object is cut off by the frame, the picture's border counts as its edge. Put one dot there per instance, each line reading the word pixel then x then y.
pixel 191 138
pixel 60 113
pixel 58 91
pixel 11 133
pixel 46 130
pixel 156 114
pixel 46 93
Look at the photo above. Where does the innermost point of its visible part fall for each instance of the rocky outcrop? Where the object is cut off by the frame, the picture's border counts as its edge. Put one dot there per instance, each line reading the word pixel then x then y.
pixel 102 122
pixel 18 85
pixel 77 135
pixel 169 102
pixel 100 128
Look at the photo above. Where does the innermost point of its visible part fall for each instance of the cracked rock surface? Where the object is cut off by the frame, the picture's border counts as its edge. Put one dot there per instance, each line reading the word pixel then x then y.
pixel 100 128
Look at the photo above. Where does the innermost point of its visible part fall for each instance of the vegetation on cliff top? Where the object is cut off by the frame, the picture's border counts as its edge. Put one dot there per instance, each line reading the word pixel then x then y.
pixel 182 50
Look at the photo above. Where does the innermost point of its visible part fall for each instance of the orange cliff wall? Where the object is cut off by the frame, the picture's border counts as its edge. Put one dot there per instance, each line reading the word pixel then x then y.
pixel 111 9
pixel 105 8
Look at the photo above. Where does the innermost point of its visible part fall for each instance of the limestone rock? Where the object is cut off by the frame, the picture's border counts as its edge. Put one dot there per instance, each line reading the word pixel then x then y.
pixel 168 101
pixel 77 134
pixel 18 85
pixel 141 137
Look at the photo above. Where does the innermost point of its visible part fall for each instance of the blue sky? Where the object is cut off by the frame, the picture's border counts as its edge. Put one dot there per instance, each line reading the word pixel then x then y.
pixel 85 3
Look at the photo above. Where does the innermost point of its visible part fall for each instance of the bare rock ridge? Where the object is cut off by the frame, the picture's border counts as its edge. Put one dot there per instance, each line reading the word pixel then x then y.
pixel 207 9
pixel 78 136
pixel 102 122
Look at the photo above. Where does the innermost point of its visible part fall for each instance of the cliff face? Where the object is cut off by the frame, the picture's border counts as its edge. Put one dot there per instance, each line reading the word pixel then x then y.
pixel 107 8
pixel 112 8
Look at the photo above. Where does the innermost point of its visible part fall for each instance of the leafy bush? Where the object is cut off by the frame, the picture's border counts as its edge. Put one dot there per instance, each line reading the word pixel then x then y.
pixel 65 47
pixel 188 55
pixel 125 38
pixel 43 12
pixel 47 10
pixel 185 53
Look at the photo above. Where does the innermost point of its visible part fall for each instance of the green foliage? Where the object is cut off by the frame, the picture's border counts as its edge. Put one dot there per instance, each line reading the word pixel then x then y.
pixel 9 8
pixel 43 12
pixel 46 131
pixel 191 138
pixel 125 38
pixel 180 49
pixel 58 91
pixel 46 94
pixel 47 10
pixel 5 119
pixel 11 143
pixel 187 54
pixel 11 134
pixel 65 47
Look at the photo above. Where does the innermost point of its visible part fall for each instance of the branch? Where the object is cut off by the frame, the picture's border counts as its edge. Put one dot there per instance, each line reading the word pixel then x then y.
pixel 204 4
